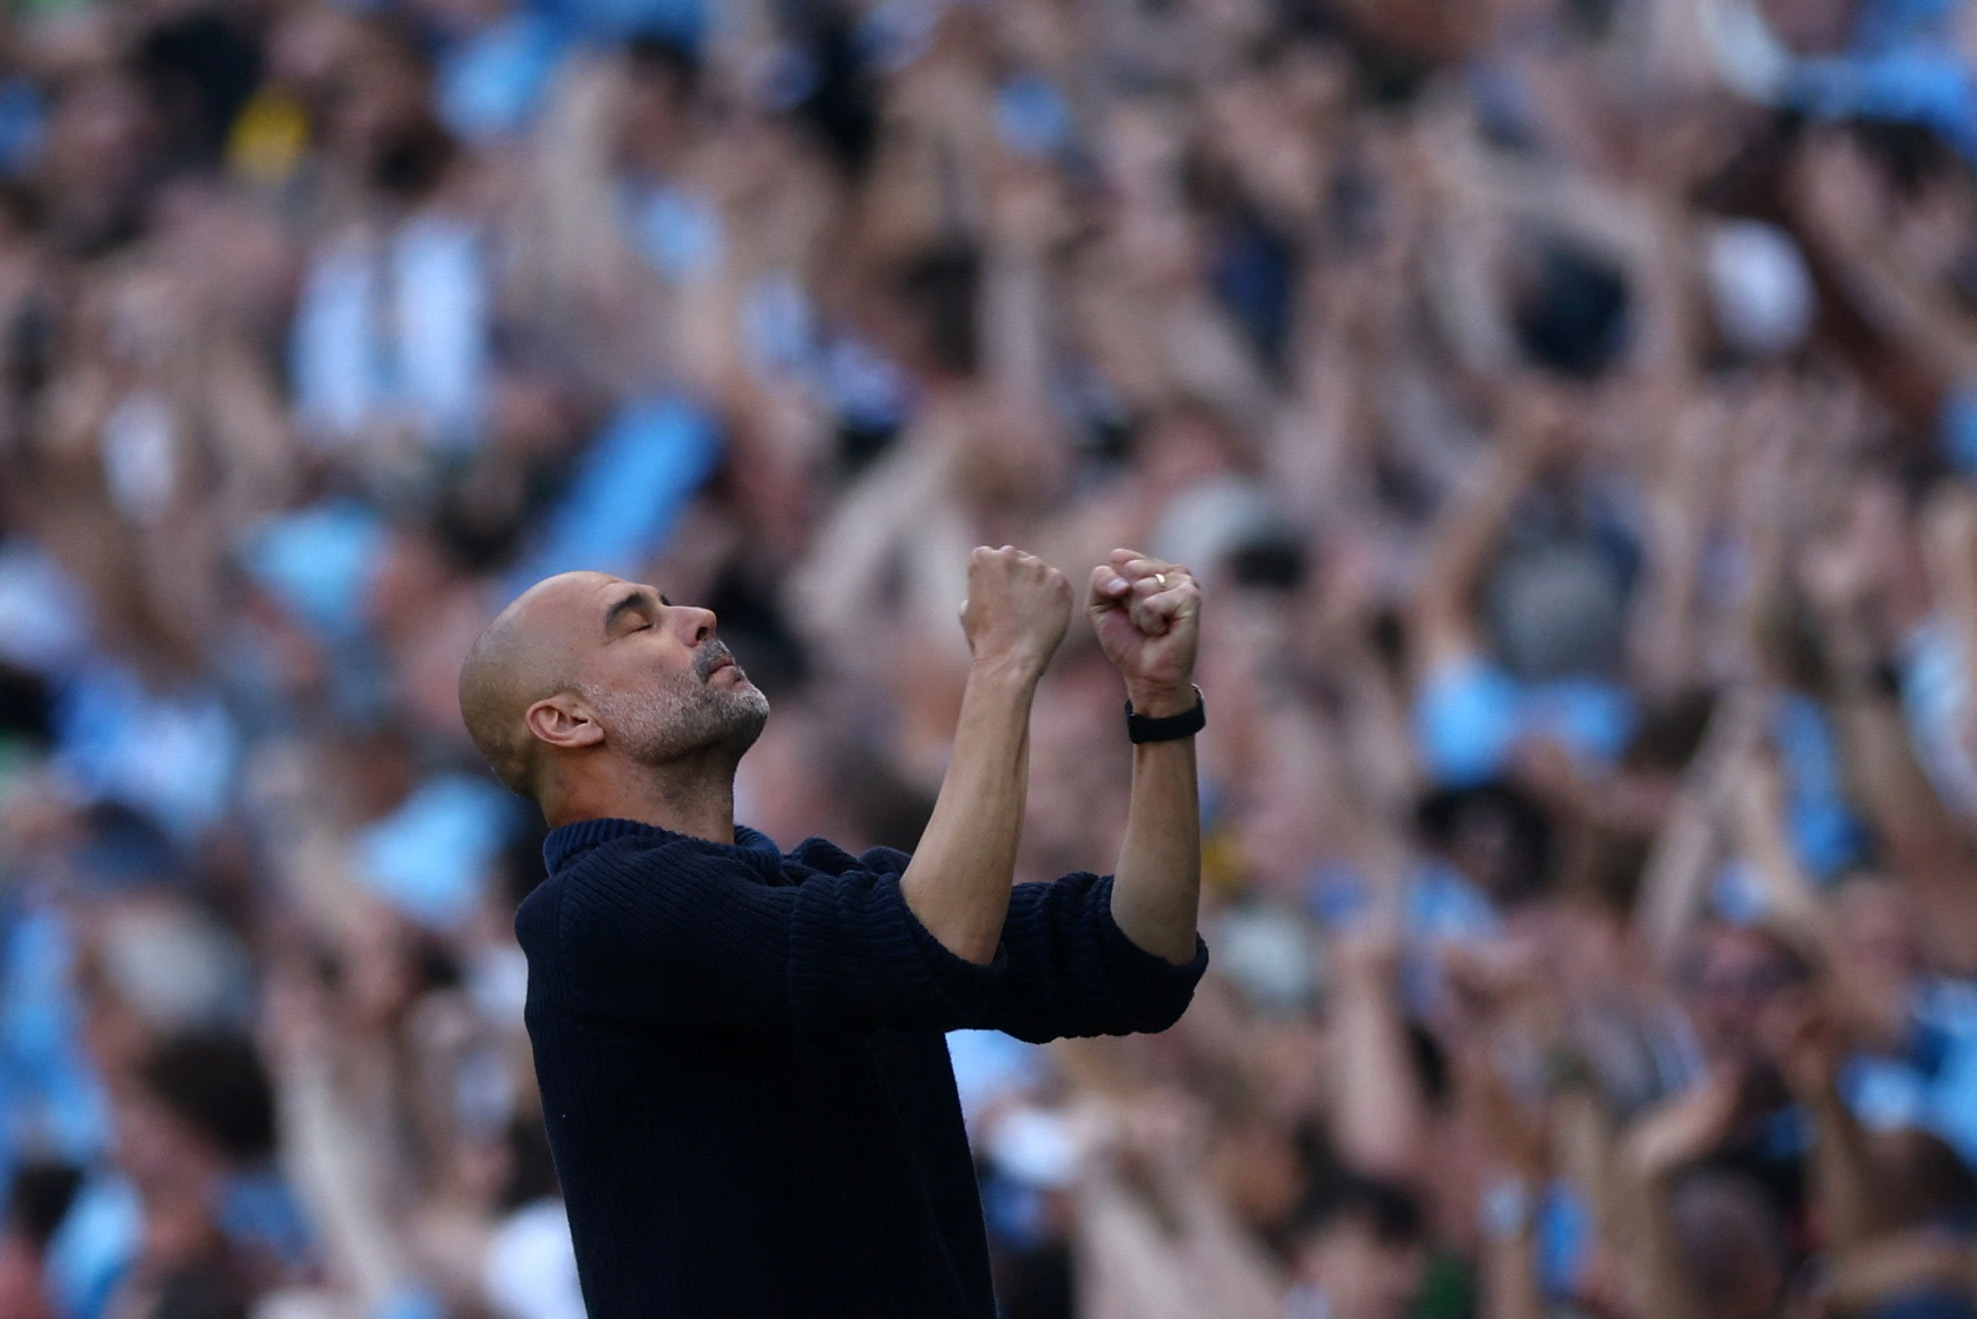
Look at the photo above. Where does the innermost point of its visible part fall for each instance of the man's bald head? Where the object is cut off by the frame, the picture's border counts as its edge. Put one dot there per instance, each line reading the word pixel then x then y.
pixel 526 654
pixel 589 681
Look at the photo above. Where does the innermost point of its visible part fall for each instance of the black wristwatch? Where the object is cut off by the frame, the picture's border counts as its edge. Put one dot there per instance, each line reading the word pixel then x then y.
pixel 1146 728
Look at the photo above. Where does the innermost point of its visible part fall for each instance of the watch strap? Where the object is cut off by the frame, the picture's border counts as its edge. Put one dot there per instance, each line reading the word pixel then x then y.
pixel 1143 728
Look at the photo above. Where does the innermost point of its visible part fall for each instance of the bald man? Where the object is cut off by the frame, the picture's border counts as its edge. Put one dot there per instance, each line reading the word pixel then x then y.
pixel 740 1049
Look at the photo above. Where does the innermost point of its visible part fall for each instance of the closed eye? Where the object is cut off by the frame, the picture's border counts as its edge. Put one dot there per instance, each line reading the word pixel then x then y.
pixel 637 605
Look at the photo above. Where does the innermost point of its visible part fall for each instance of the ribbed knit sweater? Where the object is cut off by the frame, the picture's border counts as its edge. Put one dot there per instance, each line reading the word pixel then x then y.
pixel 744 1077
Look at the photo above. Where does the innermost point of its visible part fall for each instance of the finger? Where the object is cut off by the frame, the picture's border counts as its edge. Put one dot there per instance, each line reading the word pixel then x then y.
pixel 1107 586
pixel 1171 586
pixel 1157 575
pixel 1161 614
pixel 1121 557
pixel 1149 622
pixel 1171 604
pixel 1160 583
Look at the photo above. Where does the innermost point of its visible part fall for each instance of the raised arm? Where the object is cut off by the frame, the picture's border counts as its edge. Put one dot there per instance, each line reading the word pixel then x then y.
pixel 1380 1117
pixel 1923 843
pixel 1800 1034
pixel 1657 1149
pixel 1760 827
pixel 1689 847
pixel 1147 616
pixel 959 880
pixel 1441 614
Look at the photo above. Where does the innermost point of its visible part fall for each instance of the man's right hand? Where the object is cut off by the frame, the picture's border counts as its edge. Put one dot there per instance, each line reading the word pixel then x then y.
pixel 1017 609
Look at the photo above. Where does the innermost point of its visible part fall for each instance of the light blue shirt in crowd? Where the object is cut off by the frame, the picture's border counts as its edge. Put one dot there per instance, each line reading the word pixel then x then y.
pixel 395 331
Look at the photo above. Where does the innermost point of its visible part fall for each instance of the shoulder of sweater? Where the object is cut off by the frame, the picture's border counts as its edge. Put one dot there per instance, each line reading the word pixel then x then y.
pixel 629 863
pixel 821 854
pixel 537 905
pixel 676 853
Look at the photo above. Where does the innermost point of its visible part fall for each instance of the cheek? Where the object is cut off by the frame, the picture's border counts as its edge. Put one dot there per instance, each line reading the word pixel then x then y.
pixel 643 665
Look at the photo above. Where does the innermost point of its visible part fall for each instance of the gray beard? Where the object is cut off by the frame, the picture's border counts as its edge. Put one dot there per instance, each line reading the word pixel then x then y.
pixel 662 727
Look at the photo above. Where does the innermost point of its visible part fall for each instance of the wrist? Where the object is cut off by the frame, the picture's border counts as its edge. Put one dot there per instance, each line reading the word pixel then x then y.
pixel 1142 727
pixel 1161 700
pixel 1006 672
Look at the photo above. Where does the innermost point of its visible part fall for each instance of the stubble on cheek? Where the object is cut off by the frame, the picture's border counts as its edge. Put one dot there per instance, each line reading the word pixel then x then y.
pixel 657 724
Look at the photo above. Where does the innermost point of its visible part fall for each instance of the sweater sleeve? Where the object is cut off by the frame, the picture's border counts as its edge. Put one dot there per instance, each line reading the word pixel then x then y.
pixel 1071 971
pixel 676 938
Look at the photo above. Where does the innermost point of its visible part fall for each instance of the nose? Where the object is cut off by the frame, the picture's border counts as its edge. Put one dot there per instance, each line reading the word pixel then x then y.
pixel 695 625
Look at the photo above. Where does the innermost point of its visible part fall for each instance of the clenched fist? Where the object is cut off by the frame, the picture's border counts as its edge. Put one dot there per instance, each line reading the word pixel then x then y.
pixel 1017 609
pixel 1147 614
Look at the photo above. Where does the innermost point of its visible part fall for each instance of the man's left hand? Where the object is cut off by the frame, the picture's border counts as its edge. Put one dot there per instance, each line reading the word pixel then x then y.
pixel 1147 615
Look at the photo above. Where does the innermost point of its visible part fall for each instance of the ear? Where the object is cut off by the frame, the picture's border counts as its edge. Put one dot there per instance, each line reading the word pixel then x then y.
pixel 564 721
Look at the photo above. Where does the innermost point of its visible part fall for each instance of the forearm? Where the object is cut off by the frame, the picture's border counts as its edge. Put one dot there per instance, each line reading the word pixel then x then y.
pixel 958 883
pixel 1840 1181
pixel 1663 633
pixel 1950 542
pixel 1442 608
pixel 1925 844
pixel 1583 1137
pixel 325 1157
pixel 1767 846
pixel 1674 1136
pixel 1380 1125
pixel 1921 322
pixel 1897 794
pixel 1510 1287
pixel 1677 875
pixel 1664 1277
pixel 1016 300
pixel 1378 733
pixel 1156 888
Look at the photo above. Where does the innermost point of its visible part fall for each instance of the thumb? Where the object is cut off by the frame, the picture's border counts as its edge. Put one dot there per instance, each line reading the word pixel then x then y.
pixel 1106 589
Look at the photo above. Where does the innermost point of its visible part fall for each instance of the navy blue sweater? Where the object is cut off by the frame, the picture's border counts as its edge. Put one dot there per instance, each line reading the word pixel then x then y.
pixel 744 1078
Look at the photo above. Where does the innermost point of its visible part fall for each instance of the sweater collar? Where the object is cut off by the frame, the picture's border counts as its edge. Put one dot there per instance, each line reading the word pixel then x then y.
pixel 567 843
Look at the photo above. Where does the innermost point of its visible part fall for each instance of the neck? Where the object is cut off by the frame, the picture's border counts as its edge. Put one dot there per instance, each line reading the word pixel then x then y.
pixel 694 797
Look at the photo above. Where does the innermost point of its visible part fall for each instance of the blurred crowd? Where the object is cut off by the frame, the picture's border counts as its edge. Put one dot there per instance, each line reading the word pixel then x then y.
pixel 1570 407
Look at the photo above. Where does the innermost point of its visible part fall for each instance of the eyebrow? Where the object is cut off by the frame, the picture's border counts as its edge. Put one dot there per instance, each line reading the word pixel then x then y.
pixel 636 600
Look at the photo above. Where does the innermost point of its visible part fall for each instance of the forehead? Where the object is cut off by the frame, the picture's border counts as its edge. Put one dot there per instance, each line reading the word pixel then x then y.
pixel 574 592
pixel 554 611
pixel 606 590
